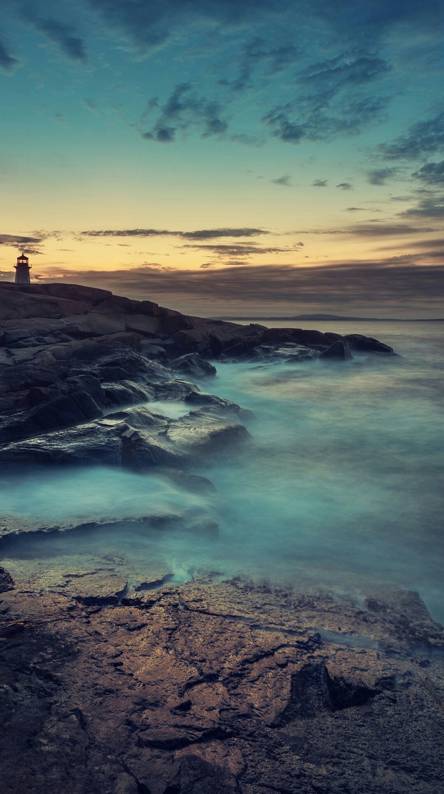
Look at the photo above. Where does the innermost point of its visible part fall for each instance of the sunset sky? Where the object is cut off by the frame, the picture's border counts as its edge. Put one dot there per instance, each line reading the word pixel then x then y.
pixel 225 156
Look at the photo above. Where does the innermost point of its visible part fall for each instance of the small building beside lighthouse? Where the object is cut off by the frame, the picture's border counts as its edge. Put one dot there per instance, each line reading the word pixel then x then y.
pixel 22 271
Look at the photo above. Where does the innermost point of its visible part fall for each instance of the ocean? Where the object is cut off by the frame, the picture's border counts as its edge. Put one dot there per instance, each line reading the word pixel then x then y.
pixel 340 486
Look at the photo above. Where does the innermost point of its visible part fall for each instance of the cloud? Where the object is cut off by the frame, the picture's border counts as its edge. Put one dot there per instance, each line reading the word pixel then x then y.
pixel 345 186
pixel 320 183
pixel 7 61
pixel 147 24
pixel 429 207
pixel 373 228
pixel 257 53
pixel 184 109
pixel 422 139
pixel 64 36
pixel 291 124
pixel 239 249
pixel 344 70
pixel 197 234
pixel 387 287
pixel 427 245
pixel 379 176
pixel 283 181
pixel 431 173
pixel 18 240
pixel 383 229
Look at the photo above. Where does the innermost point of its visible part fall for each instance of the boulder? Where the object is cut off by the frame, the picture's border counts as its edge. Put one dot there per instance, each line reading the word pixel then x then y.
pixel 338 351
pixel 6 581
pixel 95 443
pixel 367 344
pixel 143 450
pixel 193 364
pixel 64 411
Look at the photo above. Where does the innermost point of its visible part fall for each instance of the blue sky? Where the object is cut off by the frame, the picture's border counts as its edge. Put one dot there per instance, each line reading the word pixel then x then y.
pixel 155 139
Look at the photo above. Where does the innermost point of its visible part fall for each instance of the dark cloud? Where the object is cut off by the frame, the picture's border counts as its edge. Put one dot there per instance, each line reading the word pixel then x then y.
pixel 429 207
pixel 197 234
pixel 431 173
pixel 344 70
pixel 426 245
pixel 239 249
pixel 18 240
pixel 320 183
pixel 7 61
pixel 184 109
pixel 255 53
pixel 422 139
pixel 149 23
pixel 283 181
pixel 373 228
pixel 382 229
pixel 292 125
pixel 345 186
pixel 63 35
pixel 379 176
pixel 383 288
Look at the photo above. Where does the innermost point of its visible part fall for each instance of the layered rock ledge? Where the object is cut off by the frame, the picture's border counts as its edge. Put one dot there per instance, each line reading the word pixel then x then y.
pixel 80 366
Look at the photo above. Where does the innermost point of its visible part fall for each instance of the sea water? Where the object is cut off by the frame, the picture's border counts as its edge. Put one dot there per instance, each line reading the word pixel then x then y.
pixel 340 486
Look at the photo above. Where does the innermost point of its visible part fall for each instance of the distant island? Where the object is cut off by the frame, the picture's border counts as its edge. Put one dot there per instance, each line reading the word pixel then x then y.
pixel 330 318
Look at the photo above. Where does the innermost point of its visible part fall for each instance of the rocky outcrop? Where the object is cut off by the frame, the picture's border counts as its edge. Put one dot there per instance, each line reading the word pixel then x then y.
pixel 338 351
pixel 214 687
pixel 75 360
pixel 194 365
pixel 6 581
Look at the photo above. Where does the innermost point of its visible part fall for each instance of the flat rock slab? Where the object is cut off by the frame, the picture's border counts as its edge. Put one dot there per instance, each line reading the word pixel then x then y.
pixel 211 687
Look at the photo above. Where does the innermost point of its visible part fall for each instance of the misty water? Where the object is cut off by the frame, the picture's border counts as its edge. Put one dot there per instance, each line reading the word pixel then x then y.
pixel 339 487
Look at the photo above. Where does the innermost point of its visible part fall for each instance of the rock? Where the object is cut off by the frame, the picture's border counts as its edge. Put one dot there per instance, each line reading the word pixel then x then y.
pixel 338 351
pixel 73 356
pixel 201 433
pixel 97 588
pixel 142 450
pixel 6 581
pixel 214 403
pixel 193 364
pixel 95 443
pixel 366 344
pixel 98 696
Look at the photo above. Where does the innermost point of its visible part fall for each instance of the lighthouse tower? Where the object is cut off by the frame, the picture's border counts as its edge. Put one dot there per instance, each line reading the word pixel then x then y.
pixel 22 268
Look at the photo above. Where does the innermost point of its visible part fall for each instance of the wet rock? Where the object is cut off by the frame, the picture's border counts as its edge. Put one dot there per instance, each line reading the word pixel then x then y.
pixel 214 403
pixel 367 344
pixel 143 450
pixel 194 365
pixel 202 433
pixel 338 351
pixel 6 581
pixel 87 444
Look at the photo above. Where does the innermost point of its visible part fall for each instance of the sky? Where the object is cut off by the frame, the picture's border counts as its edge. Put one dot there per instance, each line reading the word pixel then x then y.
pixel 226 157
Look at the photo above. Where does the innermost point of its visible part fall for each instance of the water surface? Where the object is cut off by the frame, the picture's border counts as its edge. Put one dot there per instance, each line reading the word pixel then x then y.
pixel 341 485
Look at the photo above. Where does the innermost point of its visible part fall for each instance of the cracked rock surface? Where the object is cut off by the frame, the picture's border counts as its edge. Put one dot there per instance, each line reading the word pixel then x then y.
pixel 215 686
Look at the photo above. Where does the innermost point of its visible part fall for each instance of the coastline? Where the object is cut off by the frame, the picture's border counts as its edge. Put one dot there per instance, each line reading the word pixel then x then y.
pixel 128 682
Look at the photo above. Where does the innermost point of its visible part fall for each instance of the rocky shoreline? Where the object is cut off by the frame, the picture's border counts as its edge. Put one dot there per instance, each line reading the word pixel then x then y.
pixel 80 367
pixel 121 680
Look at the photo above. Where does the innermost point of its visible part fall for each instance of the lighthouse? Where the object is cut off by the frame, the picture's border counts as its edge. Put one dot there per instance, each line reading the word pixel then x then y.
pixel 22 268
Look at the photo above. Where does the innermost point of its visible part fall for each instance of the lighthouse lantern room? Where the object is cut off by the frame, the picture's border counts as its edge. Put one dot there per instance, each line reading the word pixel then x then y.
pixel 22 268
